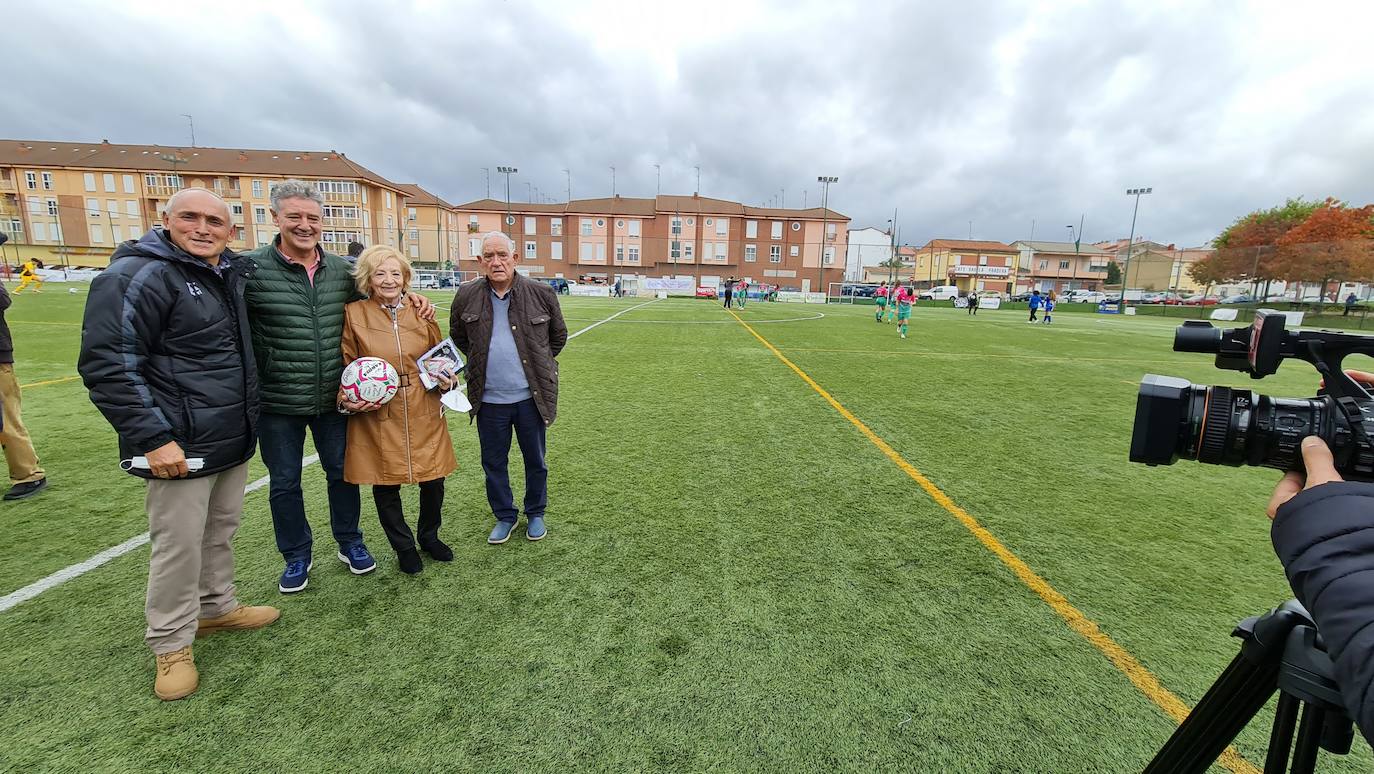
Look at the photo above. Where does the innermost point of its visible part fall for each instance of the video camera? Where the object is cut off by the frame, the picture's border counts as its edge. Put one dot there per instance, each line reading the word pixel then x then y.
pixel 1226 426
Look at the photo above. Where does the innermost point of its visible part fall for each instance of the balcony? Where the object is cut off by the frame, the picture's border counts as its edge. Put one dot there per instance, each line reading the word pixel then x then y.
pixel 342 222
pixel 9 207
pixel 7 185
pixel 162 191
pixel 346 198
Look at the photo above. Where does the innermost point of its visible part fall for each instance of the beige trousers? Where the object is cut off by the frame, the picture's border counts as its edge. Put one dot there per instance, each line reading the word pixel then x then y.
pixel 23 462
pixel 191 570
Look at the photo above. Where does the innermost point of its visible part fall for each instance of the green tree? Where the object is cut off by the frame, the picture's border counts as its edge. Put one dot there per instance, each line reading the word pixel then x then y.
pixel 1113 274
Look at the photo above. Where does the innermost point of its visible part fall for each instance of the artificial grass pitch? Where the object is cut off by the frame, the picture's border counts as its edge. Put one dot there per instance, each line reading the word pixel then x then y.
pixel 735 578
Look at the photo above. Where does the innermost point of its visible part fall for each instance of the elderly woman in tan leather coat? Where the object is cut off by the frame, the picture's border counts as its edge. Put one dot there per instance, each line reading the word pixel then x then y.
pixel 406 440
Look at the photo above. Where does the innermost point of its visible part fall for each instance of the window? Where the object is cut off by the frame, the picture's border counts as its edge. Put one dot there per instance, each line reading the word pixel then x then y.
pixel 555 225
pixel 620 224
pixel 634 228
pixel 676 229
pixel 410 213
pixel 775 253
pixel 474 247
pixel 257 189
pixel 634 253
pixel 93 208
pixel 619 253
pixel 777 229
pixel 388 199
pixel 472 219
pixel 112 207
pixel 47 181
pixel 792 251
pixel 236 209
pixel 708 221
pixel 674 249
pixel 131 209
pixel 98 234
pixel 52 207
pixel 414 251
pixel 982 260
pixel 117 234
pixel 1062 264
pixel 722 251
pixel 31 180
pixel 260 214
pixel 829 255
pixel 340 211
pixel 415 235
pixel 751 229
pixel 149 179
pixel 1043 265
pixel 530 253
pixel 691 221
pixel 600 222
pixel 529 224
pixel 721 225
pixel 390 223
pixel 173 181
pixel 35 206
pixel 586 253
pixel 128 184
pixel 688 252
pixel 263 238
pixel 600 252
pixel 238 233
pixel 557 252
pixel 40 232
pixel 90 181
pixel 110 183
pixel 751 253
pixel 586 227
pixel 796 226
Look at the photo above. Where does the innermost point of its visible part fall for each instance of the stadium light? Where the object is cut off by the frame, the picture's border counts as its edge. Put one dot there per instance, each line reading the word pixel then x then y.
pixel 825 182
pixel 507 171
pixel 1126 273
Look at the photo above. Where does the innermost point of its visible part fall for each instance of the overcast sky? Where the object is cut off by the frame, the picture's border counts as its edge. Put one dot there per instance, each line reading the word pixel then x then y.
pixel 995 113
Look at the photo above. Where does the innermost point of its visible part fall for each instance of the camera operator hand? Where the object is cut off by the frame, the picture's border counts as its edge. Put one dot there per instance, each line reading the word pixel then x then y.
pixel 1321 469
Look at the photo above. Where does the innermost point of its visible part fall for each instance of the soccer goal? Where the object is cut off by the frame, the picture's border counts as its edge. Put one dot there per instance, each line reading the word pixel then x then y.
pixel 838 293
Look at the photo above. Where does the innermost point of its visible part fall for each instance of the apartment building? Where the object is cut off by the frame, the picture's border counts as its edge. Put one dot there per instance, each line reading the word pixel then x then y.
pixel 1059 266
pixel 693 237
pixel 969 264
pixel 72 203
pixel 430 228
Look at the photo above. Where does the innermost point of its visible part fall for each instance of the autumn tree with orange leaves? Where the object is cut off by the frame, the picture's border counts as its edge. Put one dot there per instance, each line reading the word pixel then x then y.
pixel 1335 242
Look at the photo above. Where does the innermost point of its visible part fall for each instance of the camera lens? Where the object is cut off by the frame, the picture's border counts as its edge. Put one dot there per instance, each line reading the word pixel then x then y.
pixel 1226 426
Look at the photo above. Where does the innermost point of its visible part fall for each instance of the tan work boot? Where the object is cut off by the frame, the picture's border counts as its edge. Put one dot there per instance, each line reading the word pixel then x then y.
pixel 177 677
pixel 240 618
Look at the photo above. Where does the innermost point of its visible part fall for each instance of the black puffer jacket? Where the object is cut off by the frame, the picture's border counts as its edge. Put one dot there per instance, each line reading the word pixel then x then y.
pixel 167 355
pixel 1325 538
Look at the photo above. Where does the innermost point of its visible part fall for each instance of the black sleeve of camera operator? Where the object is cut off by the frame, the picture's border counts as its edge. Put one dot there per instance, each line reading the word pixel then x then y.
pixel 1325 539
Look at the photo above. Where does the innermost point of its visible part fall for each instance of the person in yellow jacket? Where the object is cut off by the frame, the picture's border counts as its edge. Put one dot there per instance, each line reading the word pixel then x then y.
pixel 28 275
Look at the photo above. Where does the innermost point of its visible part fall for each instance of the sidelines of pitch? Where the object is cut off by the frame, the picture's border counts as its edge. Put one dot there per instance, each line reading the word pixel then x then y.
pixel 134 543
pixel 1126 663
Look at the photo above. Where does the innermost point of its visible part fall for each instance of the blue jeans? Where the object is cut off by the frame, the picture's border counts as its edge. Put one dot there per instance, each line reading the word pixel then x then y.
pixel 494 424
pixel 281 437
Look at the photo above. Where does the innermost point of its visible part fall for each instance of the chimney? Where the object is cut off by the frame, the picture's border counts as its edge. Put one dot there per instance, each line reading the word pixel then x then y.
pixel 243 156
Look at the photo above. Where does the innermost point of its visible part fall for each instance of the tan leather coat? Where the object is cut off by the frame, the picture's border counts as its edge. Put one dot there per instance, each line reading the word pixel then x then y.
pixel 406 441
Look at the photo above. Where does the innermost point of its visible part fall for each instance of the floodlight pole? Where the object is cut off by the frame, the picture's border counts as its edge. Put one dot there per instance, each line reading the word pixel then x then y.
pixel 825 181
pixel 1126 273
pixel 507 171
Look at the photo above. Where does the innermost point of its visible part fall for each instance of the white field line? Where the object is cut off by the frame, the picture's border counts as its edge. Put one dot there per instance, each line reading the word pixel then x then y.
pixel 134 543
pixel 81 568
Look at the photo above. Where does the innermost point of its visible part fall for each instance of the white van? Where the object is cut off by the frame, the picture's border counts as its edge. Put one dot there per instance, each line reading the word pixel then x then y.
pixel 939 293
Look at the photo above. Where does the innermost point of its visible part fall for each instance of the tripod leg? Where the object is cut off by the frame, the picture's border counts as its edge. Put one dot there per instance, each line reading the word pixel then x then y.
pixel 1281 738
pixel 1309 736
pixel 1232 701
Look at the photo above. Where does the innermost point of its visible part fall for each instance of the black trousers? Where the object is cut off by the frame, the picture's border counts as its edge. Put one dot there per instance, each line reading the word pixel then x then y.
pixel 388 500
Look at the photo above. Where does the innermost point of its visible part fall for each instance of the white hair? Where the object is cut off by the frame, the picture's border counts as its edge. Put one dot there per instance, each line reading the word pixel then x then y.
pixel 510 243
pixel 176 197
pixel 294 189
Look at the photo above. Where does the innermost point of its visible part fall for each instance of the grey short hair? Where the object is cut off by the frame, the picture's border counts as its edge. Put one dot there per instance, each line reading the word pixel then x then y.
pixel 510 243
pixel 294 189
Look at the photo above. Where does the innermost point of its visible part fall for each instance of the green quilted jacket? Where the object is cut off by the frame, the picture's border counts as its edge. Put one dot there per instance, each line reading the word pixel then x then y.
pixel 296 330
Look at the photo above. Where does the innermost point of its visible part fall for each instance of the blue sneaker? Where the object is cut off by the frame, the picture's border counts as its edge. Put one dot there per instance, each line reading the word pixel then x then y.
pixel 535 529
pixel 296 577
pixel 501 532
pixel 359 561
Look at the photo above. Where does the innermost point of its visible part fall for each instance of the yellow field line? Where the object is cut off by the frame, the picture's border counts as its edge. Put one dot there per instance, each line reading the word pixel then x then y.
pixel 50 381
pixel 1127 664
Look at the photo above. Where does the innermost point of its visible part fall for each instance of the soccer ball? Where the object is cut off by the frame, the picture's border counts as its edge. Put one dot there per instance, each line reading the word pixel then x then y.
pixel 370 380
pixel 441 366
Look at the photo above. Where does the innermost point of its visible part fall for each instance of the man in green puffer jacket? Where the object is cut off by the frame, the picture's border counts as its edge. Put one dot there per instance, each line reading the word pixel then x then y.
pixel 295 297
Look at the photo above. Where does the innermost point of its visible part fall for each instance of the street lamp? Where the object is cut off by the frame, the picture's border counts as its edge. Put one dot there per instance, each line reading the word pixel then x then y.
pixel 1126 273
pixel 825 182
pixel 507 171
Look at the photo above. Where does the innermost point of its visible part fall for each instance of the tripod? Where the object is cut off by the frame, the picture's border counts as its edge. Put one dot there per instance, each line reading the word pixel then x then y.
pixel 1280 651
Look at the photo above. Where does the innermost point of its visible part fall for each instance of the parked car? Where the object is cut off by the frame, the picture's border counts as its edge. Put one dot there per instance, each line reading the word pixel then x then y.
pixel 857 291
pixel 426 281
pixel 939 293
pixel 1201 300
pixel 706 291
pixel 1241 298
pixel 1021 297
pixel 1085 297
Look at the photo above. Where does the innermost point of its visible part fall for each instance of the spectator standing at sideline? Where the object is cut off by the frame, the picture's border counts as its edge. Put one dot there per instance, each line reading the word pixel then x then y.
pixel 1350 302
pixel 26 475
pixel 1035 301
